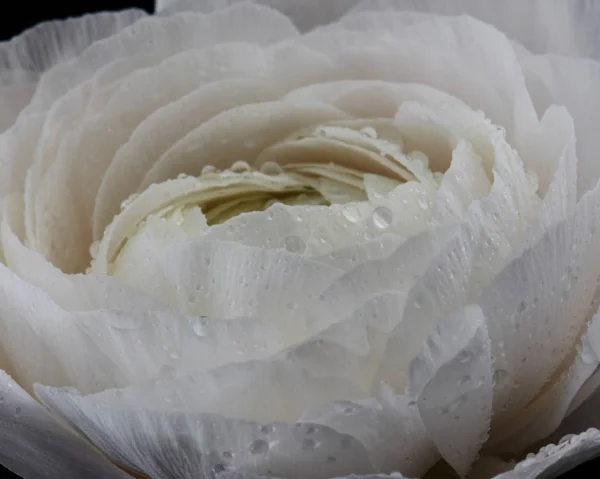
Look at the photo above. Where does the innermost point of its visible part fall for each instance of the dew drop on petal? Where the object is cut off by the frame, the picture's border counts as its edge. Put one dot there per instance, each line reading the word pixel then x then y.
pixel 208 169
pixel 240 167
pixel 259 446
pixel 423 203
pixel 368 131
pixel 198 327
pixel 382 217
pixel 270 168
pixel 294 244
pixel 351 213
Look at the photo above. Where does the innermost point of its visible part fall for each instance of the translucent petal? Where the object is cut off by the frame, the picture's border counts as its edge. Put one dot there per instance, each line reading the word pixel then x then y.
pixel 464 182
pixel 441 54
pixel 24 58
pixel 305 15
pixel 35 444
pixel 88 149
pixel 154 135
pixel 571 82
pixel 539 305
pixel 389 427
pixel 356 286
pixel 543 27
pixel 223 139
pixel 160 439
pixel 99 346
pixel 538 421
pixel 560 197
pixel 554 460
pixel 50 43
pixel 168 36
pixel 229 280
pixel 13 98
pixel 451 381
pixel 72 292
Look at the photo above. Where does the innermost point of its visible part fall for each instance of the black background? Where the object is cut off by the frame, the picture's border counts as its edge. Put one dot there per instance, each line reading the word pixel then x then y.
pixel 12 24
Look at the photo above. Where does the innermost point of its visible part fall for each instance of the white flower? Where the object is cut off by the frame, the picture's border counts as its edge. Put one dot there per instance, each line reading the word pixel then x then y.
pixel 301 239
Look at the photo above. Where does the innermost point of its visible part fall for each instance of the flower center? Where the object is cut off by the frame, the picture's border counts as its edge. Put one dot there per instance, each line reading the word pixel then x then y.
pixel 323 166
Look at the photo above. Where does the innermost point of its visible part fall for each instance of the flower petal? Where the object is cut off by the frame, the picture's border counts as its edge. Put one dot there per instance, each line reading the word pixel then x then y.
pixel 543 27
pixel 151 437
pixel 458 354
pixel 554 282
pixel 570 82
pixel 553 460
pixel 36 445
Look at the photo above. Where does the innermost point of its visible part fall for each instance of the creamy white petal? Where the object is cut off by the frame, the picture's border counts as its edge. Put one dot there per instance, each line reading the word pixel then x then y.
pixel 27 56
pixel 567 28
pixel 305 15
pixel 557 145
pixel 158 438
pixel 451 381
pixel 571 83
pixel 36 445
pixel 158 132
pixel 389 427
pixel 221 140
pixel 553 460
pixel 87 151
pixel 441 54
pixel 553 282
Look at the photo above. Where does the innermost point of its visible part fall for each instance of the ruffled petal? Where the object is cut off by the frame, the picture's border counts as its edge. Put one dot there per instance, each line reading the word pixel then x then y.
pixel 553 460
pixel 36 445
pixel 162 441
pixel 538 307
pixel 457 355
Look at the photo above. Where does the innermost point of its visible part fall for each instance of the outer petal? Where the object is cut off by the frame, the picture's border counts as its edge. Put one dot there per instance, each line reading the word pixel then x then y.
pixel 570 82
pixel 554 26
pixel 553 460
pixel 35 445
pixel 24 58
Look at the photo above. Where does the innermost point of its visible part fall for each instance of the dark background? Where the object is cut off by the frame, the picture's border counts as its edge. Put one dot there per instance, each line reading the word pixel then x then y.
pixel 13 24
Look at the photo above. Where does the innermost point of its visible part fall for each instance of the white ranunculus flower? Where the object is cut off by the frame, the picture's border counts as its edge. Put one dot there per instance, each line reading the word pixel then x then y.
pixel 301 239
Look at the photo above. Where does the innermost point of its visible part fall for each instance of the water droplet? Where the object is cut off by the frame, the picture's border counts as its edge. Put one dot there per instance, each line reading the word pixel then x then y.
pixel 522 306
pixel 240 167
pixel 349 410
pixel 259 446
pixel 423 203
pixel 208 169
pixel 368 131
pixel 382 217
pixel 270 168
pixel 266 429
pixel 18 410
pixel 227 454
pixel 218 468
pixel 500 376
pixel 331 459
pixel 294 244
pixel 588 352
pixel 466 379
pixel 351 213
pixel 566 438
